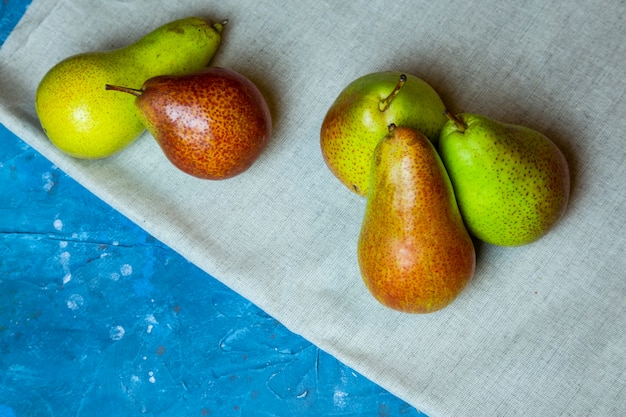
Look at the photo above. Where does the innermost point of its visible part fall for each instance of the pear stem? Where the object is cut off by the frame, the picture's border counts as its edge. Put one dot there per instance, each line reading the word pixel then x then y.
pixel 218 26
pixel 459 123
pixel 128 90
pixel 384 104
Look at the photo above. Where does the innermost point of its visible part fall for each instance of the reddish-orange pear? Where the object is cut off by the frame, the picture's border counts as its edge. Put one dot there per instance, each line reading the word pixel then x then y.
pixel 414 252
pixel 211 124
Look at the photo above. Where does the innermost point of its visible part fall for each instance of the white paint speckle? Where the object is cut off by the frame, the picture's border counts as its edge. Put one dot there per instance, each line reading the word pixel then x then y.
pixel 63 244
pixel 116 332
pixel 115 276
pixel 115 243
pixel 75 301
pixel 339 398
pixel 65 258
pixel 126 270
pixel 58 224
pixel 48 181
pixel 151 322
pixel 152 379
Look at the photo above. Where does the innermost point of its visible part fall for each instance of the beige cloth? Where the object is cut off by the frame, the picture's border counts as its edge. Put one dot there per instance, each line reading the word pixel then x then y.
pixel 540 331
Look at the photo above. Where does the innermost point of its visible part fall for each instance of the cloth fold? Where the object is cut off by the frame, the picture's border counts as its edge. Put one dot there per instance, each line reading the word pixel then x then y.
pixel 540 329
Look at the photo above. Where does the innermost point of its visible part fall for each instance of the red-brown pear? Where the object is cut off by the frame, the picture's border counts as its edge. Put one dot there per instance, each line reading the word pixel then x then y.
pixel 414 251
pixel 212 124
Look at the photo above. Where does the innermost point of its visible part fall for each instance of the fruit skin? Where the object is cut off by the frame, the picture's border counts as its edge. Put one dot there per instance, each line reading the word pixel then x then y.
pixel 212 124
pixel 414 252
pixel 84 120
pixel 512 183
pixel 354 124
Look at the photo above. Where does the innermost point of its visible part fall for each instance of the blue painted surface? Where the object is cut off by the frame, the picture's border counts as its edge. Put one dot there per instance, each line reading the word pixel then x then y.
pixel 98 318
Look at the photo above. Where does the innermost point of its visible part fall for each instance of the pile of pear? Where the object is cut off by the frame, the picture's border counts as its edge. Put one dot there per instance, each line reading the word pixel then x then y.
pixel 210 122
pixel 435 184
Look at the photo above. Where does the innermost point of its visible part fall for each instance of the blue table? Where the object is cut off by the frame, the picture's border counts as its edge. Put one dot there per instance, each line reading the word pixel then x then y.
pixel 98 318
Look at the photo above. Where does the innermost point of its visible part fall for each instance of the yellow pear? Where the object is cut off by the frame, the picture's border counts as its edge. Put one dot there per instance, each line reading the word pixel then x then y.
pixel 83 119
pixel 359 116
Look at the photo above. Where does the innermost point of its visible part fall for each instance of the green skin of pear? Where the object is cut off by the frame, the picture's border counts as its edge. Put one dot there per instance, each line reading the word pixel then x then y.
pixel 511 183
pixel 354 124
pixel 83 119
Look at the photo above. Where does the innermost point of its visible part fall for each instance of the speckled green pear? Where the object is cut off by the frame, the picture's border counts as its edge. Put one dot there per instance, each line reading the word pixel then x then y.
pixel 83 119
pixel 359 117
pixel 512 183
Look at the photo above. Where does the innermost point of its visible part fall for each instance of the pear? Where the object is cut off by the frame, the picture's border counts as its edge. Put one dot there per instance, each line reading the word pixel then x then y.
pixel 512 183
pixel 414 252
pixel 83 120
pixel 212 124
pixel 359 116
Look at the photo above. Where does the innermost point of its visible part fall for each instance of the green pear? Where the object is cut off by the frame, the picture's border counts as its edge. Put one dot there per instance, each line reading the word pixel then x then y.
pixel 414 252
pixel 84 120
pixel 512 183
pixel 212 123
pixel 358 120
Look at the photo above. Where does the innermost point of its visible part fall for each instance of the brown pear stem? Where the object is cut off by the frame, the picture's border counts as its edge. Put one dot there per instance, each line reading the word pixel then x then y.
pixel 128 90
pixel 459 123
pixel 384 104
pixel 391 128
